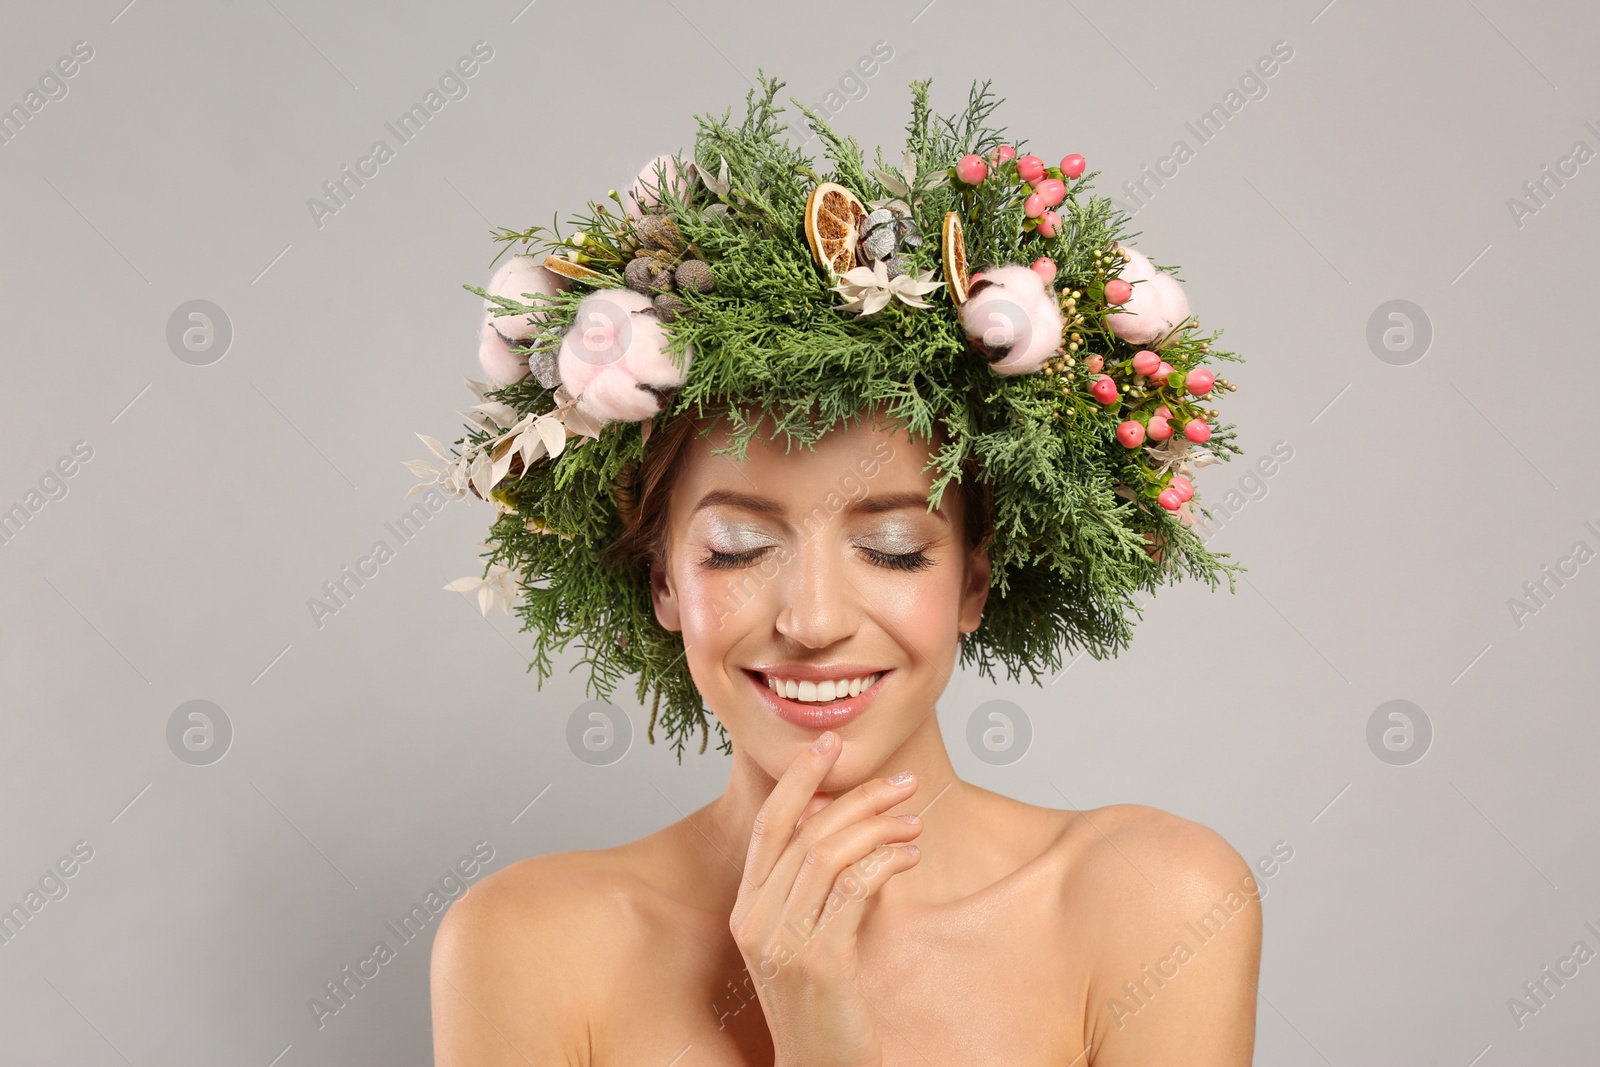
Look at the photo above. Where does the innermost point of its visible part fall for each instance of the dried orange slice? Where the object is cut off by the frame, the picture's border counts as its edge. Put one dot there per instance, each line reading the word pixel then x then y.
pixel 568 269
pixel 833 220
pixel 953 247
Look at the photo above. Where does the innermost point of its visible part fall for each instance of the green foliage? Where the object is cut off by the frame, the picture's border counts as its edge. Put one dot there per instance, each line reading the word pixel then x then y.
pixel 1069 552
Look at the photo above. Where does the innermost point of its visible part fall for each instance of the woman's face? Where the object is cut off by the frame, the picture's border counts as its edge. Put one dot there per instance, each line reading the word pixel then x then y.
pixel 815 567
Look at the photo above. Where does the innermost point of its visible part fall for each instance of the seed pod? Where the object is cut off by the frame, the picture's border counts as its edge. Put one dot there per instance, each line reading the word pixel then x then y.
pixel 669 307
pixel 644 275
pixel 695 274
pixel 659 232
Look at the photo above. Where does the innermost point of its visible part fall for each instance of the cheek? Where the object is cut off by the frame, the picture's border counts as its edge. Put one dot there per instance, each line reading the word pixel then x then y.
pixel 919 610
pixel 716 606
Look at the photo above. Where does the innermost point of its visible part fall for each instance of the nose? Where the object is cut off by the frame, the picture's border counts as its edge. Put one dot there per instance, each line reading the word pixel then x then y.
pixel 817 604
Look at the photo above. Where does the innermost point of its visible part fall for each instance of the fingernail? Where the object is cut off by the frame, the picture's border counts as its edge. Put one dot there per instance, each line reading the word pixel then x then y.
pixel 823 743
pixel 902 778
pixel 908 817
pixel 912 849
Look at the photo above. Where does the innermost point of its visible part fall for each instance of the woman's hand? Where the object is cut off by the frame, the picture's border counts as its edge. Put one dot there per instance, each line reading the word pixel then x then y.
pixel 808 872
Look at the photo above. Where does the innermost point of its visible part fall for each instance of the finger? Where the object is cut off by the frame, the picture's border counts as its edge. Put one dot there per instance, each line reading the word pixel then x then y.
pixel 872 797
pixel 828 859
pixel 842 910
pixel 818 802
pixel 779 814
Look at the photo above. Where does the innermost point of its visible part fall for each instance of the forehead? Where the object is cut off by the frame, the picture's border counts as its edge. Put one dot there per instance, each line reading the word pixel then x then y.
pixel 864 458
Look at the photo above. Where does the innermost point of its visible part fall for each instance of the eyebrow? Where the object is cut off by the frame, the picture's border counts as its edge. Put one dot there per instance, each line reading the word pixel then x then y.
pixel 767 506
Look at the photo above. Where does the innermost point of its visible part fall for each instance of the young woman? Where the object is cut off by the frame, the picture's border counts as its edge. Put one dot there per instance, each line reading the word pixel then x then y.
pixel 947 463
pixel 848 901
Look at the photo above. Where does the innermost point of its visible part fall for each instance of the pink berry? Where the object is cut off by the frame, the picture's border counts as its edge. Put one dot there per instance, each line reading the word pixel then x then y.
pixel 999 155
pixel 1197 431
pixel 1170 499
pixel 1030 168
pixel 1073 166
pixel 1044 267
pixel 1199 381
pixel 1034 206
pixel 1095 363
pixel 1164 411
pixel 1163 370
pixel 1184 487
pixel 1048 223
pixel 1117 290
pixel 1131 434
pixel 1052 189
pixel 1145 363
pixel 972 169
pixel 1160 429
pixel 1104 390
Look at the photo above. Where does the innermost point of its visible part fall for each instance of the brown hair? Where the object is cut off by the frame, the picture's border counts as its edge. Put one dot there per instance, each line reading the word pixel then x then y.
pixel 642 492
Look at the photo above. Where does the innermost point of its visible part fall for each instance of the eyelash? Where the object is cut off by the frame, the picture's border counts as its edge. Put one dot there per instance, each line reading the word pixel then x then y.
pixel 909 561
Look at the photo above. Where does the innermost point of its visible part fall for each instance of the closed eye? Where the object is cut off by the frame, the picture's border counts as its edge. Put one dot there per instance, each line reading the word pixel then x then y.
pixel 716 560
pixel 907 561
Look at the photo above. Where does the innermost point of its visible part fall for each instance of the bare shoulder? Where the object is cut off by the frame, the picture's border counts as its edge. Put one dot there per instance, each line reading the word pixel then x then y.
pixel 1124 845
pixel 516 959
pixel 1170 914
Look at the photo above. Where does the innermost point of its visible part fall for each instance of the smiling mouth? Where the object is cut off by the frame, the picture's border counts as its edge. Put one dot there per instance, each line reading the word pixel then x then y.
pixel 822 694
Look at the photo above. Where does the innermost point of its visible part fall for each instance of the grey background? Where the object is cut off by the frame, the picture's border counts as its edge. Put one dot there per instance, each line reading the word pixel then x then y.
pixel 369 754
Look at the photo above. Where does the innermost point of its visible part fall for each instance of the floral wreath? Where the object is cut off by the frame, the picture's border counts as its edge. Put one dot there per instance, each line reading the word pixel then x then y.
pixel 1065 369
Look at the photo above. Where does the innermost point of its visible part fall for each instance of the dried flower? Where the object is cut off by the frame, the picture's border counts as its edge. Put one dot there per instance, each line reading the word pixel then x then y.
pixel 869 289
pixel 481 467
pixel 498 588
pixel 1179 455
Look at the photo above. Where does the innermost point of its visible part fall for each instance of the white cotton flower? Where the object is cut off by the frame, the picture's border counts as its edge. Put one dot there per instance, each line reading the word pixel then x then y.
pixel 1013 318
pixel 614 358
pixel 1156 309
pixel 869 289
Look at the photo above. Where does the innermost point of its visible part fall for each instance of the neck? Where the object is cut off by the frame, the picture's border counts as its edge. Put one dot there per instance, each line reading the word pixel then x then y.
pixel 945 804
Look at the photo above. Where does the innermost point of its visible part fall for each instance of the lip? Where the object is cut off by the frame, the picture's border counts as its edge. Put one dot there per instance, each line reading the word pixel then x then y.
pixel 819 716
pixel 818 672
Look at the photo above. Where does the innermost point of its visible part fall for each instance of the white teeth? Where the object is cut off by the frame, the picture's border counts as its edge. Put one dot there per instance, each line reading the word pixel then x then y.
pixel 819 692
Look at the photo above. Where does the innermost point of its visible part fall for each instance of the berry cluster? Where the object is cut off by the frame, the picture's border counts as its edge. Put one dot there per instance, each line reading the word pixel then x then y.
pixel 1151 396
pixel 1151 399
pixel 1047 185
